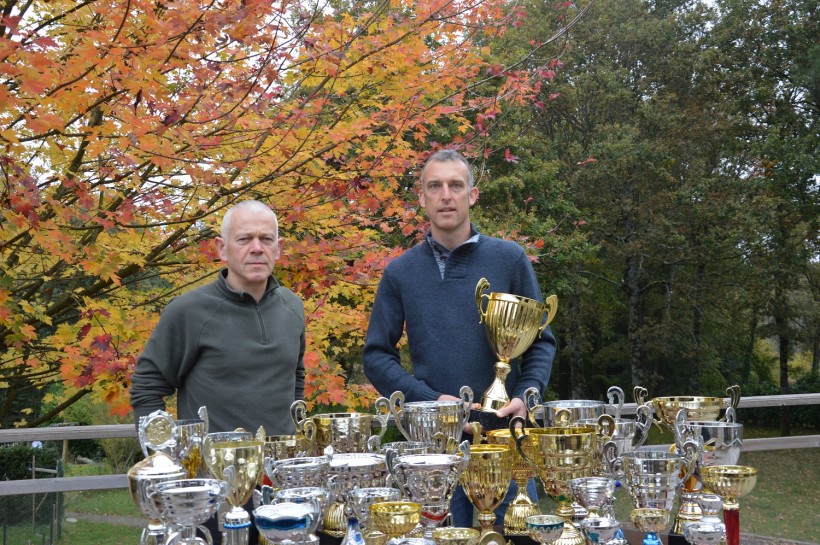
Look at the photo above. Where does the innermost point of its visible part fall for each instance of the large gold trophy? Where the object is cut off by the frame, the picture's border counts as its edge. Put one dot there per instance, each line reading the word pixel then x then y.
pixel 511 323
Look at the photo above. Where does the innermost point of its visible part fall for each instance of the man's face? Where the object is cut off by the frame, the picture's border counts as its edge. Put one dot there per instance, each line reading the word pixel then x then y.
pixel 446 195
pixel 250 249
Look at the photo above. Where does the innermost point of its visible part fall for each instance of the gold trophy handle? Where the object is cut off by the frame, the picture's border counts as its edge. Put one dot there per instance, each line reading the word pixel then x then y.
pixel 531 398
pixel 298 413
pixel 563 418
pixel 551 303
pixel 519 435
pixel 643 420
pixel 605 427
pixel 382 407
pixel 482 285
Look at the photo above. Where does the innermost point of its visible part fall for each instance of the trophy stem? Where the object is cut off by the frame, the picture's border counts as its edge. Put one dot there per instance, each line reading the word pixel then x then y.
pixel 496 396
pixel 518 510
pixel 689 511
pixel 731 518
pixel 237 525
pixel 154 533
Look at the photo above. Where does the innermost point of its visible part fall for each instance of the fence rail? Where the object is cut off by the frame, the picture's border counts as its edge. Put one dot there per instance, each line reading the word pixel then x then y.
pixel 102 482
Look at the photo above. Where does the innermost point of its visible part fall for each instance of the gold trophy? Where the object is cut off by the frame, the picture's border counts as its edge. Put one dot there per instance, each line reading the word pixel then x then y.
pixel 511 323
pixel 395 518
pixel 650 520
pixel 486 480
pixel 522 506
pixel 237 459
pixel 558 454
pixel 731 483
pixel 694 408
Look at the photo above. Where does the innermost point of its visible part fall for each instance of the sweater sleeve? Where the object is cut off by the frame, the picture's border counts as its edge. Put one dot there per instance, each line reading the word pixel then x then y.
pixel 299 391
pixel 382 364
pixel 158 367
pixel 536 362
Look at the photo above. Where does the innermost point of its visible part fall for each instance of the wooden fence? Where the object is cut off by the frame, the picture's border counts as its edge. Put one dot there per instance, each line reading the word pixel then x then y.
pixel 100 482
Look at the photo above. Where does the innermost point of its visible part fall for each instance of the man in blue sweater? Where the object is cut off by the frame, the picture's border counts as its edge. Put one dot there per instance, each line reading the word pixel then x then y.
pixel 429 291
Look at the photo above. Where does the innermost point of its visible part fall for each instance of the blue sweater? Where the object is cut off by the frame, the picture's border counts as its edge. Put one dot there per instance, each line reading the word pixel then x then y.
pixel 448 346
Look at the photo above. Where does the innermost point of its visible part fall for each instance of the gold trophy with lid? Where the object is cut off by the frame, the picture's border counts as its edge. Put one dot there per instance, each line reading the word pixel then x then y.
pixel 511 323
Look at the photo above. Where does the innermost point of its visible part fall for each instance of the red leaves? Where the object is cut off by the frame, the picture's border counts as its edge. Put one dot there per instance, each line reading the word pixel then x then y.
pixel 509 157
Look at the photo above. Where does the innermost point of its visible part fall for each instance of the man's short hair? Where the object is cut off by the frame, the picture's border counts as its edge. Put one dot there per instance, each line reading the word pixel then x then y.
pixel 446 155
pixel 256 206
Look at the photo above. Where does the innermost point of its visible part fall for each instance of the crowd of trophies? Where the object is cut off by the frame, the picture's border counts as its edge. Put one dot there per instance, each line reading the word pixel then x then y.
pixel 335 475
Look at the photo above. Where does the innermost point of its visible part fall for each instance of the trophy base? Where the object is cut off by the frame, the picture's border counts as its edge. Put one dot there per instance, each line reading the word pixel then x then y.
pixel 489 420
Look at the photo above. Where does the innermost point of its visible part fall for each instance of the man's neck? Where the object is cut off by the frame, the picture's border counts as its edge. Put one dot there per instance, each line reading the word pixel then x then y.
pixel 451 240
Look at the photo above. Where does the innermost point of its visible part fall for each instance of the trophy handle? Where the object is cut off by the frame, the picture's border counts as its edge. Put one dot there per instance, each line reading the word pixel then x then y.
pixel 731 416
pixel 158 432
pixel 615 396
pixel 683 431
pixel 643 421
pixel 605 427
pixel 563 418
pixel 396 471
pixel 519 435
pixel 270 470
pixel 298 413
pixel 690 449
pixel 309 433
pixel 464 449
pixel 466 395
pixel 396 406
pixel 203 415
pixel 531 398
pixel 639 394
pixel 734 398
pixel 373 443
pixel 551 303
pixel 382 415
pixel 613 462
pixel 482 285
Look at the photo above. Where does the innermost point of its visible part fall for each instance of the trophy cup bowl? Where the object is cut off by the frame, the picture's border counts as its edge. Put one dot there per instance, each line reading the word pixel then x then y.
pixel 593 493
pixel 435 423
pixel 430 480
pixel 453 535
pixel 395 518
pixel 297 472
pixel 650 521
pixel 511 324
pixel 628 434
pixel 561 412
pixel 282 447
pixel 704 533
pixel 187 503
pixel 600 530
pixel 522 506
pixel 154 469
pixel 652 477
pixel 288 522
pixel 348 432
pixel 351 470
pixel 721 442
pixel 696 407
pixel 306 494
pixel 545 529
pixel 486 480
pixel 558 455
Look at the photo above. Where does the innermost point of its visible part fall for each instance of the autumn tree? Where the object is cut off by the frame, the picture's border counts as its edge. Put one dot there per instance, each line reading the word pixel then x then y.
pixel 127 128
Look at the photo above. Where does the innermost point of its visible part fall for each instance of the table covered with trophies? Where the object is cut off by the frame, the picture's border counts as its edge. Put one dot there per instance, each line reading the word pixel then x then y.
pixel 337 481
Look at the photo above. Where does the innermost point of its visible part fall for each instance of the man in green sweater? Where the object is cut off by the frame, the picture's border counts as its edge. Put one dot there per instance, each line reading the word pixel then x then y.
pixel 235 345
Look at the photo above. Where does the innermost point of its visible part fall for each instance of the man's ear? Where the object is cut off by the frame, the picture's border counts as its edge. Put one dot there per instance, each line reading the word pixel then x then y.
pixel 473 195
pixel 219 244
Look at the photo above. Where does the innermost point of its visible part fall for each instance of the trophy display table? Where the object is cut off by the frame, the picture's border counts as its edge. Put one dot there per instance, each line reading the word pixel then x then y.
pixel 632 535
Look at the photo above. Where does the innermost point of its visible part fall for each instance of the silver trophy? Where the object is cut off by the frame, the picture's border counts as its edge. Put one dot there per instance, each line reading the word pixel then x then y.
pixel 186 504
pixel 297 472
pixel 154 469
pixel 351 470
pixel 430 480
pixel 288 522
pixel 436 423
pixel 344 432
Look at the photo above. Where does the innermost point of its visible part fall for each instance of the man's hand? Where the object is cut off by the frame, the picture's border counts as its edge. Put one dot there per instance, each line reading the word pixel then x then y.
pixel 514 408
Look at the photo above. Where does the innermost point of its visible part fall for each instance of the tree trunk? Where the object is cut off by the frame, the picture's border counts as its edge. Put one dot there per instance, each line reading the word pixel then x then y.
pixel 577 381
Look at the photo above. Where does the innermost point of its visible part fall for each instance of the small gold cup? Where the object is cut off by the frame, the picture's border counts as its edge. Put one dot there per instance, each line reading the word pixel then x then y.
pixel 650 521
pixel 395 518
pixel 730 483
pixel 486 480
pixel 453 535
